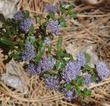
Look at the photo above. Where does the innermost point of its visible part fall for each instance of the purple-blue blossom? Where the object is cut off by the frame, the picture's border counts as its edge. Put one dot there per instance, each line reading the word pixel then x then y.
pixel 81 59
pixel 53 27
pixel 102 70
pixel 31 69
pixel 26 24
pixel 87 78
pixel 50 8
pixel 71 71
pixel 52 82
pixel 46 63
pixel 69 94
pixel 29 52
pixel 19 16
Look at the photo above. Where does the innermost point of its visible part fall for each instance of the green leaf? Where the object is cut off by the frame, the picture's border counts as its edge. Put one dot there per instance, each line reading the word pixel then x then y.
pixel 31 30
pixel 59 51
pixel 78 91
pixel 49 48
pixel 72 14
pixel 7 42
pixel 68 86
pixel 40 53
pixel 87 68
pixel 79 81
pixel 88 57
pixel 62 22
pixel 26 13
pixel 51 15
pixel 38 19
pixel 48 73
pixel 94 77
pixel 66 58
pixel 60 65
pixel 31 38
pixel 86 92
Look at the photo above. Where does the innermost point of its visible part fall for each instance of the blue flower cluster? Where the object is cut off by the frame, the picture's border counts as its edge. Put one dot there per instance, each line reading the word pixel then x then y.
pixel 29 52
pixel 52 82
pixel 87 78
pixel 26 24
pixel 72 69
pixel 31 68
pixel 81 59
pixel 69 94
pixel 19 16
pixel 45 64
pixel 53 27
pixel 50 8
pixel 102 70
pixel 58 70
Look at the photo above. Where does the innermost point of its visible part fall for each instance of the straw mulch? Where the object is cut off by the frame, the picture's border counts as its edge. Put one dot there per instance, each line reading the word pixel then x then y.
pixel 92 27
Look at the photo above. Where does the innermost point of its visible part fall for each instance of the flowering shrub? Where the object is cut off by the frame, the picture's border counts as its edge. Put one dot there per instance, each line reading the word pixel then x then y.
pixel 33 46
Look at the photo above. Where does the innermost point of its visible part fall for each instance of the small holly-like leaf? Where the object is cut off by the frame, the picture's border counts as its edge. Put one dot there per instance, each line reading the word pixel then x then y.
pixel 78 91
pixel 79 81
pixel 86 92
pixel 68 86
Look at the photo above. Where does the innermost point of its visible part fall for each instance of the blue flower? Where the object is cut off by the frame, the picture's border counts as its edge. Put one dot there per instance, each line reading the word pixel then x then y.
pixel 50 8
pixel 69 94
pixel 31 69
pixel 26 24
pixel 53 27
pixel 46 63
pixel 52 82
pixel 81 59
pixel 87 78
pixel 71 71
pixel 102 70
pixel 19 16
pixel 29 52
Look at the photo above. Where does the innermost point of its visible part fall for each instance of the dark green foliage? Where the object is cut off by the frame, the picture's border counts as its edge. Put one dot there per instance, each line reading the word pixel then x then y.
pixel 41 50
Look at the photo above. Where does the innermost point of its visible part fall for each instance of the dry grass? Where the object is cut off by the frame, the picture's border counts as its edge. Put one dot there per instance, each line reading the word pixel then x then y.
pixel 91 27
